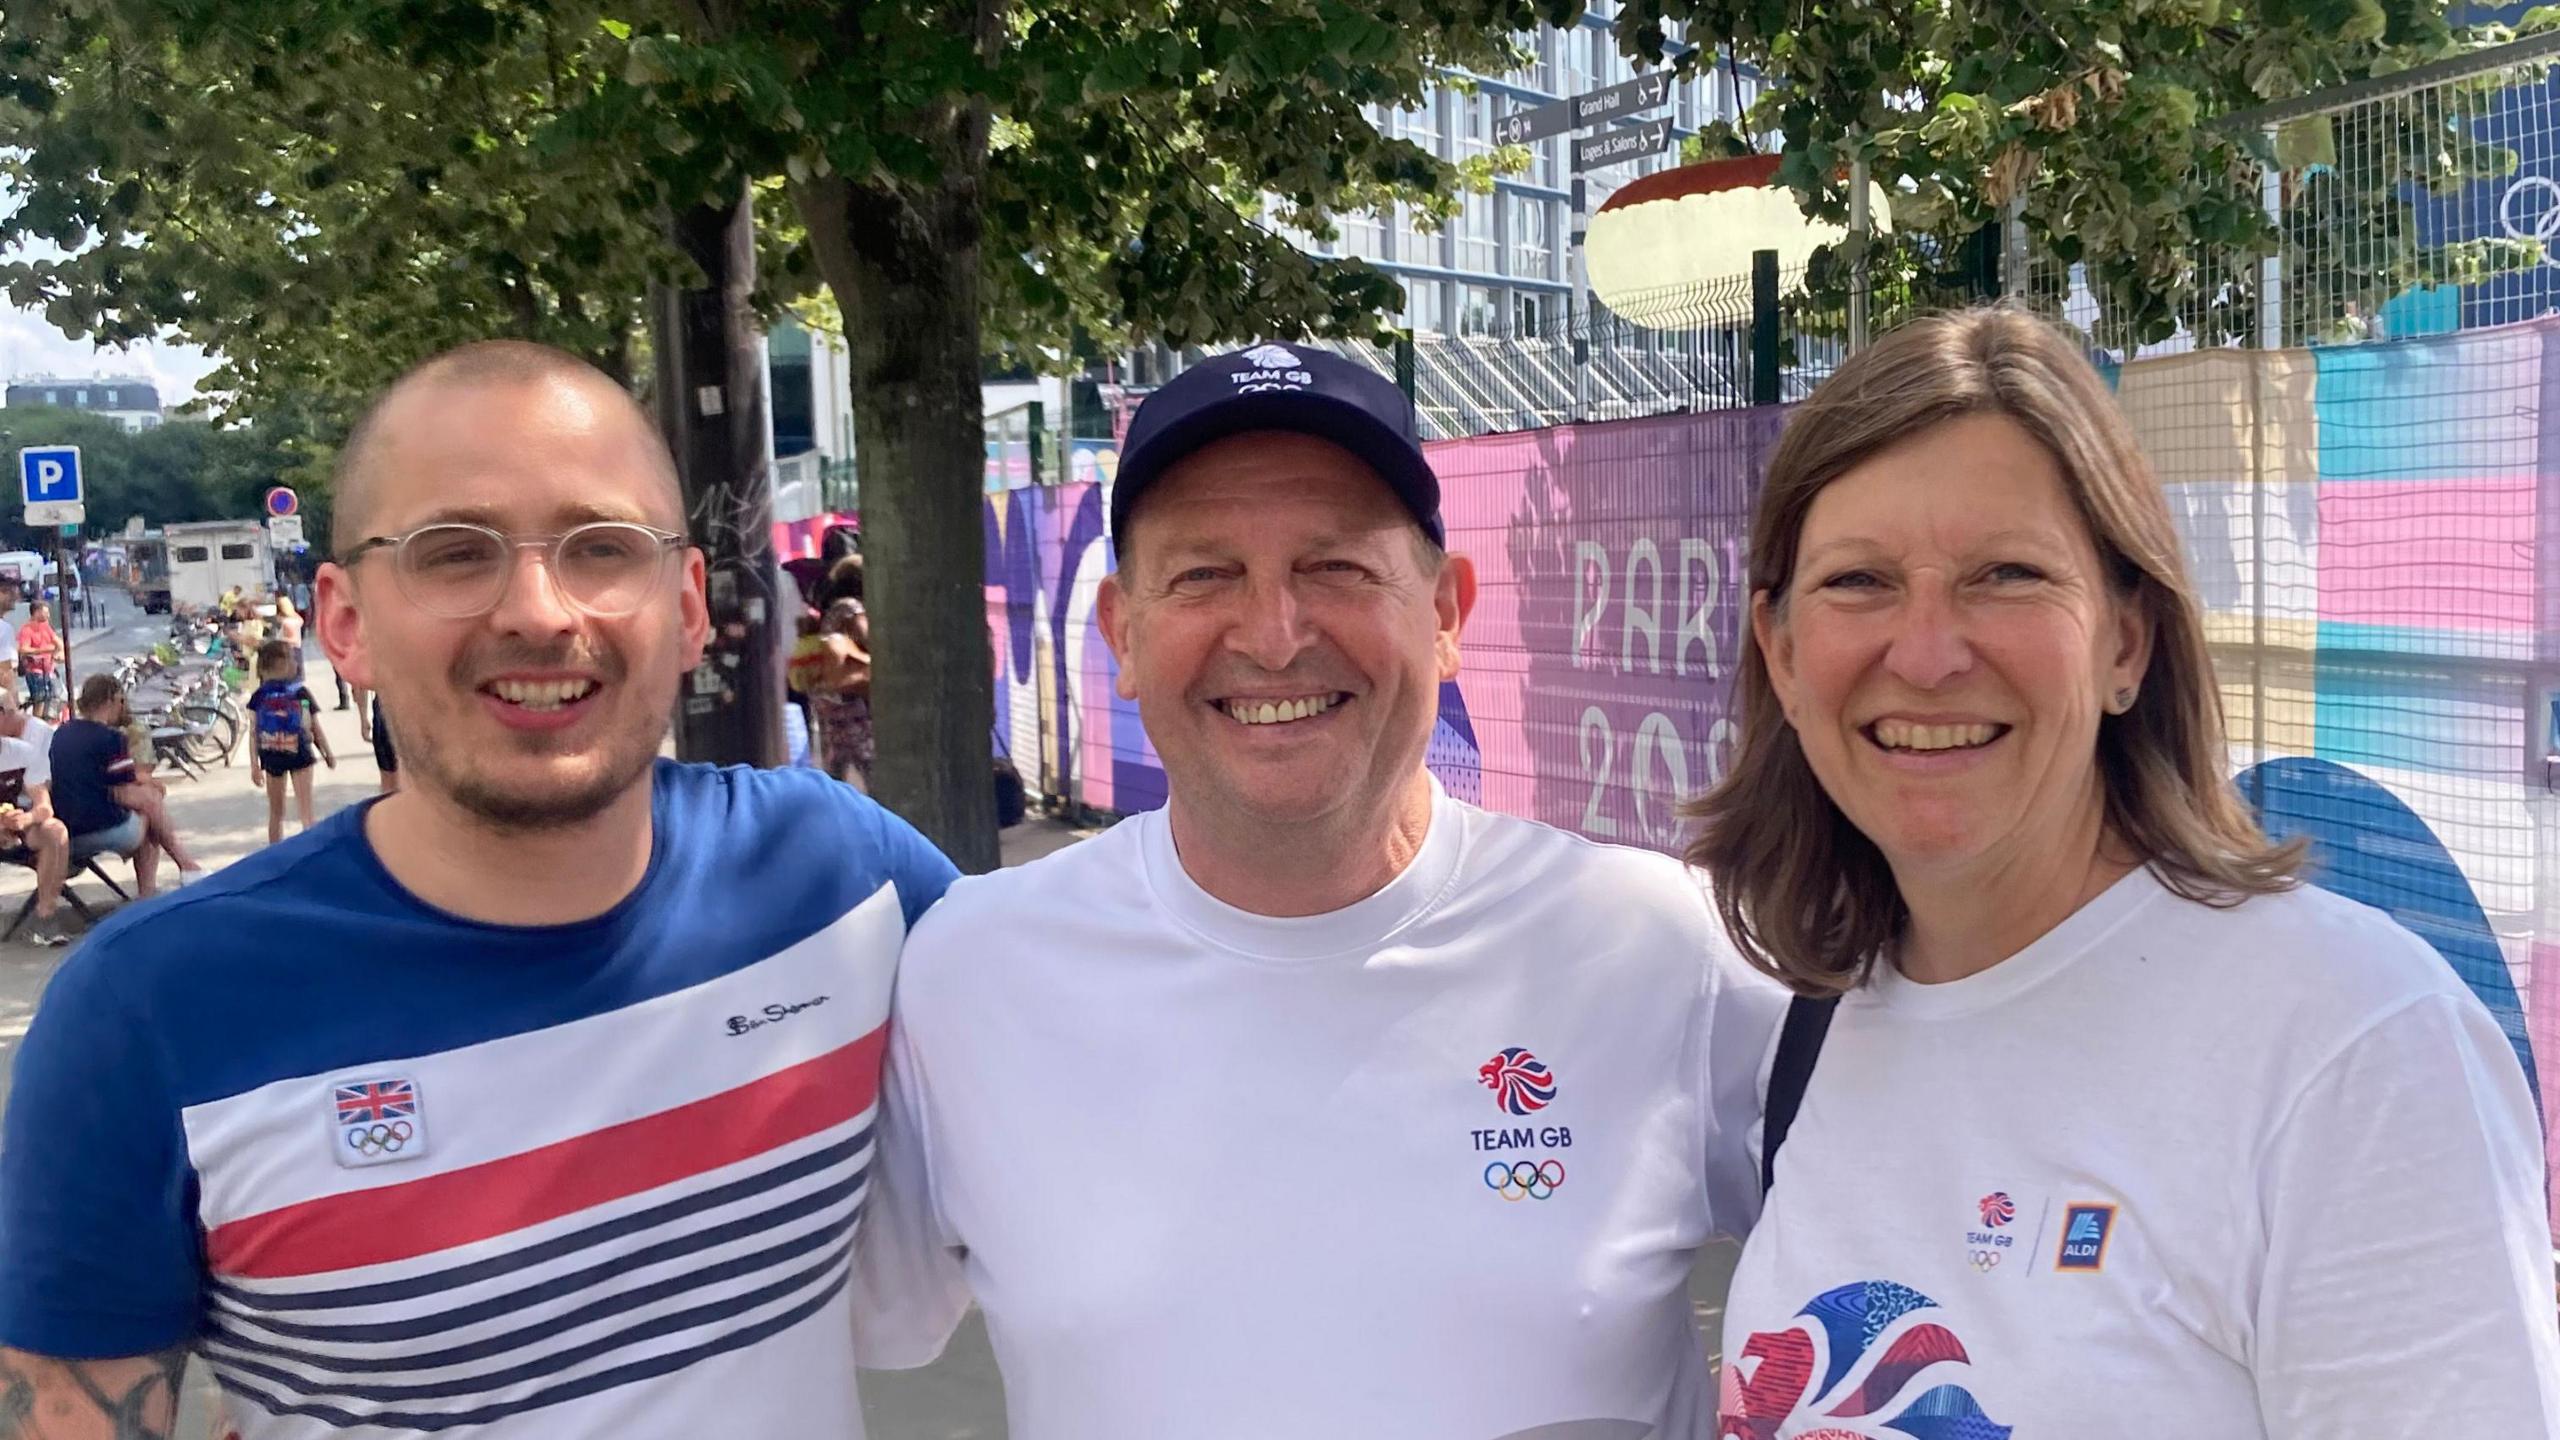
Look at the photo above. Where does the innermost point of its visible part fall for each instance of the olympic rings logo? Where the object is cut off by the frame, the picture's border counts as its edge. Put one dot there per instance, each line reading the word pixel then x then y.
pixel 1983 1259
pixel 1522 1180
pixel 2538 218
pixel 372 1140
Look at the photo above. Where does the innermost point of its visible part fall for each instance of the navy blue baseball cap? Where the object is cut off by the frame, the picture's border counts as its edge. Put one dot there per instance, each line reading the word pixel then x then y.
pixel 1279 387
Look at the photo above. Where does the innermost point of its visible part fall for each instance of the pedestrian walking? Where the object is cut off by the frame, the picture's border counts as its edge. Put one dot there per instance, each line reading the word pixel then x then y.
pixel 376 731
pixel 287 725
pixel 1398 1118
pixel 40 659
pixel 2120 1129
pixel 554 1118
pixel 293 621
pixel 840 695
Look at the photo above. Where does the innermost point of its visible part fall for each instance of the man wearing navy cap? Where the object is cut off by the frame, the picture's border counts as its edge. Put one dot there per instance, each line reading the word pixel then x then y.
pixel 1317 1103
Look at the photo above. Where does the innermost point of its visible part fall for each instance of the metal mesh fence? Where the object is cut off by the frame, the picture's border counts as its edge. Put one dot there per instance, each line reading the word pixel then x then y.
pixel 2361 449
pixel 2419 204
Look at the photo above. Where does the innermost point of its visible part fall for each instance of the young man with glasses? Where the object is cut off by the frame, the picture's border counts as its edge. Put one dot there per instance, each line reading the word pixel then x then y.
pixel 555 1118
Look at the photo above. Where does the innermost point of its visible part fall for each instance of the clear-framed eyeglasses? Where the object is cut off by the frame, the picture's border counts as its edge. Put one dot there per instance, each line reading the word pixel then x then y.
pixel 458 571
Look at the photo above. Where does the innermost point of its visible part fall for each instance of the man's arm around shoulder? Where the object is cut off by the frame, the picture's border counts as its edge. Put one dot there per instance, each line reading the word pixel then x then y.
pixel 130 1398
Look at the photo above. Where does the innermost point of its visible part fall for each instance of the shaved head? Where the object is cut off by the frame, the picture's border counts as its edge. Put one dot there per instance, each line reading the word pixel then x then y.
pixel 433 385
pixel 535 712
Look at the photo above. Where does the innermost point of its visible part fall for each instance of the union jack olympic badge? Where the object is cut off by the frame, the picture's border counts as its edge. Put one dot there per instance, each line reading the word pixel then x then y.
pixel 377 1122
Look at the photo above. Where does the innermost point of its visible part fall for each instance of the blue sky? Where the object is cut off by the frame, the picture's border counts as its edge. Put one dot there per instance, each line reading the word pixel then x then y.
pixel 29 346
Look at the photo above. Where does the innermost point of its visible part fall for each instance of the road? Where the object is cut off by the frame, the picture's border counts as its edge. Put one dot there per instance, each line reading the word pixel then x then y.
pixel 958 1397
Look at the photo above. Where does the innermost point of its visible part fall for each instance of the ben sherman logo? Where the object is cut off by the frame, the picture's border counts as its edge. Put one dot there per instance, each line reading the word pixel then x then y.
pixel 1271 367
pixel 772 1015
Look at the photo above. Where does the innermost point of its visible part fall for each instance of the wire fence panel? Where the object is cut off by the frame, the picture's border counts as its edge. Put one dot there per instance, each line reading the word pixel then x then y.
pixel 2420 204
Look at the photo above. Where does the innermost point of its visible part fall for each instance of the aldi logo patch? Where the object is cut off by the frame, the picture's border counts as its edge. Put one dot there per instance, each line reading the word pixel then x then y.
pixel 2085 1229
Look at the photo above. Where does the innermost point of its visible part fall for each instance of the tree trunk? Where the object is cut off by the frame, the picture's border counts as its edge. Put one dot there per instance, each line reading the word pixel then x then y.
pixel 711 405
pixel 903 263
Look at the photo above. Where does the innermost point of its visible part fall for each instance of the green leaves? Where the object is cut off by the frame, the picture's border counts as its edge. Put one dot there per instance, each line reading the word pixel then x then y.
pixel 324 194
pixel 2365 23
pixel 2308 141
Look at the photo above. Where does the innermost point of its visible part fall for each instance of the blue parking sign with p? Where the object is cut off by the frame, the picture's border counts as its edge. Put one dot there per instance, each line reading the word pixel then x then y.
pixel 49 474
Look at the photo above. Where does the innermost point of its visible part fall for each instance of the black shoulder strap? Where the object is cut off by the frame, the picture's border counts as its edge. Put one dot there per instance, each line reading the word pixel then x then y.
pixel 1799 1045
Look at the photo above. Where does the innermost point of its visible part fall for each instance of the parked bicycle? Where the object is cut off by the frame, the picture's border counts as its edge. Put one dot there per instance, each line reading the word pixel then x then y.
pixel 192 719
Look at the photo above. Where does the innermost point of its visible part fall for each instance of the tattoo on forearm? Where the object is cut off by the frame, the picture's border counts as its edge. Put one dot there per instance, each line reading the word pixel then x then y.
pixel 47 1399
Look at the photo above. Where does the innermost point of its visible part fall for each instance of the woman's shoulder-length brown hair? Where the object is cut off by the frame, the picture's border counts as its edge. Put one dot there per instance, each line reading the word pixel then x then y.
pixel 1805 895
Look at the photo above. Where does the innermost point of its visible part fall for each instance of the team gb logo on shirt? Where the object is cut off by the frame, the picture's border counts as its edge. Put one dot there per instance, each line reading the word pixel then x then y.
pixel 1521 1082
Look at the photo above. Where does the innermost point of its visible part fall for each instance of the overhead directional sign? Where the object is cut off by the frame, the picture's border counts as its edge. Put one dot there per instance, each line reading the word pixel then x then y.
pixel 1627 97
pixel 1626 142
pixel 49 482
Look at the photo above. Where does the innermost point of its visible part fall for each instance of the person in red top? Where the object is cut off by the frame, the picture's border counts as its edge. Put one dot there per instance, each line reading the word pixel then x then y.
pixel 40 658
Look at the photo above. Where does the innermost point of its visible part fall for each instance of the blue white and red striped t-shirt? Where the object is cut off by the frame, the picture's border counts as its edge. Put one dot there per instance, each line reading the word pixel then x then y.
pixel 393 1171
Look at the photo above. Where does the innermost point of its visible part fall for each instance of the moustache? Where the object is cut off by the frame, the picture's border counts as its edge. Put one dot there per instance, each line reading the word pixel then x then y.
pixel 481 664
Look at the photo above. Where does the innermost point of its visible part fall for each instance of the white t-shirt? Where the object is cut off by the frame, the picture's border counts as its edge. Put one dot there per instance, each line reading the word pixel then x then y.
pixel 26 761
pixel 8 641
pixel 1434 1166
pixel 2267 1171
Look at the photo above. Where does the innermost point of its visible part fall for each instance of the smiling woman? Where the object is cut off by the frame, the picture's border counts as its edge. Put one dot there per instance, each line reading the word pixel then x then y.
pixel 1960 549
pixel 2088 1024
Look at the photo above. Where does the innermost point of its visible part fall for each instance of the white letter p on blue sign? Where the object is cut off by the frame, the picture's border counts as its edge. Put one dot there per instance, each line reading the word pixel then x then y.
pixel 50 474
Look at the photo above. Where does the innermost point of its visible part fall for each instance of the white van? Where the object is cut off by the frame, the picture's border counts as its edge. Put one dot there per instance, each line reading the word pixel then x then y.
pixel 24 566
pixel 207 558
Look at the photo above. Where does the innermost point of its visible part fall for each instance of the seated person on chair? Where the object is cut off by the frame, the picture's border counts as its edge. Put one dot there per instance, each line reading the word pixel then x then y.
pixel 28 830
pixel 107 804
